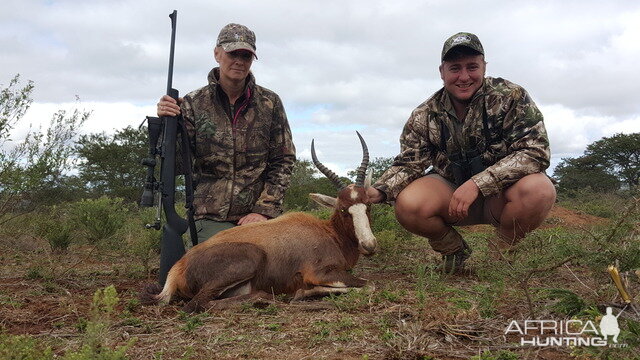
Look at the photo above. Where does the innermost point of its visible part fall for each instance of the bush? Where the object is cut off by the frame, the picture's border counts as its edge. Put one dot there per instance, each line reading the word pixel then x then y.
pixel 96 329
pixel 142 244
pixel 101 218
pixel 23 347
pixel 322 213
pixel 32 167
pixel 54 226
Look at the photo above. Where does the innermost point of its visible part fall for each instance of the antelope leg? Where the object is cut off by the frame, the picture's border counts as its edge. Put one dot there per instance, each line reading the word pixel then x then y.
pixel 212 290
pixel 335 279
pixel 337 282
pixel 319 291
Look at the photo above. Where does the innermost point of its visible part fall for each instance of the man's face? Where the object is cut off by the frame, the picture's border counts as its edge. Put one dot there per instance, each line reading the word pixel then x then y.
pixel 234 65
pixel 463 77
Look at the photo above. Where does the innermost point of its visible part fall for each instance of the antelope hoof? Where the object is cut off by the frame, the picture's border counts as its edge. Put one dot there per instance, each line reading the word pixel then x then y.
pixel 193 307
pixel 369 288
pixel 299 295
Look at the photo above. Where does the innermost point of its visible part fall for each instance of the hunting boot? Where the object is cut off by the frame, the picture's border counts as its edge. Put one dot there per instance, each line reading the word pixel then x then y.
pixel 454 249
pixel 454 263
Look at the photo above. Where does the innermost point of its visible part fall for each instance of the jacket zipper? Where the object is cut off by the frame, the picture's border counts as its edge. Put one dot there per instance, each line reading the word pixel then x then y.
pixel 242 107
pixel 233 132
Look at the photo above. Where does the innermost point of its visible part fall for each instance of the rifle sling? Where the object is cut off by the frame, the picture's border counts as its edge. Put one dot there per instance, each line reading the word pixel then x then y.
pixel 188 180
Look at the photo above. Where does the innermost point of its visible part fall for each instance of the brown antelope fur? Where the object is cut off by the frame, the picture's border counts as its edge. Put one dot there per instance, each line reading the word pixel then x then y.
pixel 295 254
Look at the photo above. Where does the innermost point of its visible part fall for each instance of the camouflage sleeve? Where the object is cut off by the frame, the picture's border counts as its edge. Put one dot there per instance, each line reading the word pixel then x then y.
pixel 282 155
pixel 186 110
pixel 413 159
pixel 527 143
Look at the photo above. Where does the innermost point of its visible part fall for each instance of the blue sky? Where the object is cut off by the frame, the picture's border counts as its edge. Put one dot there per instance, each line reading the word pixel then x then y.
pixel 339 66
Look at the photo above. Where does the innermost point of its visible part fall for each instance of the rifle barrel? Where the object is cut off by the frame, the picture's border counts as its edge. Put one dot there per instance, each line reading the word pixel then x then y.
pixel 174 19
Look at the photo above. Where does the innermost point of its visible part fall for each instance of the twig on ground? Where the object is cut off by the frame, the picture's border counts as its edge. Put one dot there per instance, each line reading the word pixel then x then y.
pixel 580 281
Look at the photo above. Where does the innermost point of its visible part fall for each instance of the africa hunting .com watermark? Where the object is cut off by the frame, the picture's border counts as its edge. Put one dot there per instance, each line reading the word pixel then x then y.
pixel 572 333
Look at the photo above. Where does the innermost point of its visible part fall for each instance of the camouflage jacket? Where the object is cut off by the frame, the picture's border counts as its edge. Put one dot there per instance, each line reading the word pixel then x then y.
pixel 517 140
pixel 243 154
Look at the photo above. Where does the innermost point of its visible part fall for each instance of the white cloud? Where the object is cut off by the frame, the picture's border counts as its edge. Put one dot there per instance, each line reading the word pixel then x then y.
pixel 105 117
pixel 627 126
pixel 570 133
pixel 338 66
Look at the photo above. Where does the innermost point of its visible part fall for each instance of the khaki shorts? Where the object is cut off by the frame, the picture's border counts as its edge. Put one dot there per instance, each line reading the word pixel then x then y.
pixel 479 212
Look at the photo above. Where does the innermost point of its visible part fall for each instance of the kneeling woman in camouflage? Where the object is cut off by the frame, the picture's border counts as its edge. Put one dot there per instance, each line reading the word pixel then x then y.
pixel 240 139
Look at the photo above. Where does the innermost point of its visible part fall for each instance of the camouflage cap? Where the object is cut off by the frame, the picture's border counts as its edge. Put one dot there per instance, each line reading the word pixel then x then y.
pixel 462 39
pixel 235 37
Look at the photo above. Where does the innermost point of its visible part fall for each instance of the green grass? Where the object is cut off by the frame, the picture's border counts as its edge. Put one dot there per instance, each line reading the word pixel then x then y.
pixel 405 317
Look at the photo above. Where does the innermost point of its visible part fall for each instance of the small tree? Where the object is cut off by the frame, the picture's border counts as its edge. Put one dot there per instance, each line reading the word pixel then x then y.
pixel 13 104
pixel 582 172
pixel 33 166
pixel 111 164
pixel 605 165
pixel 378 166
pixel 620 154
pixel 304 180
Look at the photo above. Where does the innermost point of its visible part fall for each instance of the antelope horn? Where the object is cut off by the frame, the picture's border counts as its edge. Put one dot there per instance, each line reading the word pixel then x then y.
pixel 361 172
pixel 323 169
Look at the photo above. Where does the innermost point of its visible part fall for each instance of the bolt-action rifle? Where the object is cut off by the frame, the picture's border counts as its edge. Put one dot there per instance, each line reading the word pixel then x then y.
pixel 171 246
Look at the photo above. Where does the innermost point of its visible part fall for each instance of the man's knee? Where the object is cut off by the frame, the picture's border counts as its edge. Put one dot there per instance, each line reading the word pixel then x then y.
pixel 533 191
pixel 413 207
pixel 405 206
pixel 408 211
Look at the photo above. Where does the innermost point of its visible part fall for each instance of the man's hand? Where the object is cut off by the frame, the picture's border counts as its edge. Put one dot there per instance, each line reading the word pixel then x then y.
pixel 462 198
pixel 252 218
pixel 375 195
pixel 167 106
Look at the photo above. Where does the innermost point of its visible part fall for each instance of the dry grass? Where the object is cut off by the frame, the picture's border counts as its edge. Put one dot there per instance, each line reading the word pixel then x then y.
pixel 411 314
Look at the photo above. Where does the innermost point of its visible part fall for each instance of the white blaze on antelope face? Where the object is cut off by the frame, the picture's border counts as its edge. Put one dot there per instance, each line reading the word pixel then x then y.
pixel 366 240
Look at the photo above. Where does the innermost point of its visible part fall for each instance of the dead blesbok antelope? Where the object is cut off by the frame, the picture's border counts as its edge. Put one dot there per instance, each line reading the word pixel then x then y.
pixel 295 254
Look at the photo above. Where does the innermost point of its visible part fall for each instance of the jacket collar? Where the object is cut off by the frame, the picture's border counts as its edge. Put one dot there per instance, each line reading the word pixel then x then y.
pixel 214 79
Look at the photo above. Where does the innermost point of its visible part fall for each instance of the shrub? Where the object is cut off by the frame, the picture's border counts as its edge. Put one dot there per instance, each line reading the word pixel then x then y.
pixel 26 347
pixel 142 244
pixel 23 347
pixel 101 218
pixel 55 227
pixel 96 329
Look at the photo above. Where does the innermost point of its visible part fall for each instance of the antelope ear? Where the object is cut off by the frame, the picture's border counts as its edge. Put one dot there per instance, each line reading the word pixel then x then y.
pixel 367 180
pixel 324 200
